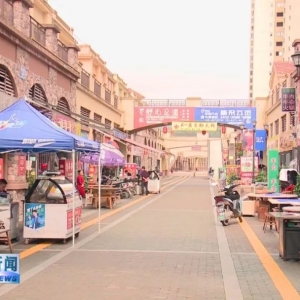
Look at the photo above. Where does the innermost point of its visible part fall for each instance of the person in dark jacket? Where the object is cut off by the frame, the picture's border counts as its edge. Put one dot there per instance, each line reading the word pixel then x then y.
pixel 145 178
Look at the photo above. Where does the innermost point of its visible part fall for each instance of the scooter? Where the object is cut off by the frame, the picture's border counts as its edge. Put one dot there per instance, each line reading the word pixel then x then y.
pixel 228 205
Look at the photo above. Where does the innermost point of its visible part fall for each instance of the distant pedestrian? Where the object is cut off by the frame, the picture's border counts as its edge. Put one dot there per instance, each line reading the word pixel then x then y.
pixel 145 178
pixel 80 186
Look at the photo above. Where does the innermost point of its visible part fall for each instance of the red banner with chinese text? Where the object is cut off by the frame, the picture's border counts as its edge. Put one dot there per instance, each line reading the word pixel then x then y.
pixel 148 115
pixel 21 165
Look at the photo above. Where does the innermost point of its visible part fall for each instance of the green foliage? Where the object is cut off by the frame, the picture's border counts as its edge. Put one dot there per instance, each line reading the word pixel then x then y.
pixel 30 178
pixel 297 187
pixel 261 177
pixel 231 178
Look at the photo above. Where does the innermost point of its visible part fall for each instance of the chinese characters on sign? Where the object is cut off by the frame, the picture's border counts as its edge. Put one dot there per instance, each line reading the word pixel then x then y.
pixel 260 140
pixel 10 268
pixel 21 165
pixel 147 115
pixel 288 99
pixel 65 168
pixel 232 116
pixel 64 122
pixel 78 212
pixel 273 170
pixel 247 168
pixel 194 126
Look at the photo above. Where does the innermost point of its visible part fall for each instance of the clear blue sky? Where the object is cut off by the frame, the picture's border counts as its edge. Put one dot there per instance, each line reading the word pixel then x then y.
pixel 168 48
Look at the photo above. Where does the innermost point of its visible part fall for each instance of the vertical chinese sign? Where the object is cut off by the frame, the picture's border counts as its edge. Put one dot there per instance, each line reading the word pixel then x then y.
pixel 22 165
pixel 247 169
pixel 273 170
pixel 288 99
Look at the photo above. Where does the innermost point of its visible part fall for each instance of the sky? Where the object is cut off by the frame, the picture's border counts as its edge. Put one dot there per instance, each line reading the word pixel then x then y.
pixel 168 49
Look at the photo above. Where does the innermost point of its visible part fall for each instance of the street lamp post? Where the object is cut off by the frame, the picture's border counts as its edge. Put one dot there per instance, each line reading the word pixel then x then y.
pixel 253 151
pixel 235 139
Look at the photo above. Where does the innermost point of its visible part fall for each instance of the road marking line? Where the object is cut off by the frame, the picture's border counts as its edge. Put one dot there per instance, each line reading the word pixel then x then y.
pixel 94 221
pixel 64 253
pixel 280 280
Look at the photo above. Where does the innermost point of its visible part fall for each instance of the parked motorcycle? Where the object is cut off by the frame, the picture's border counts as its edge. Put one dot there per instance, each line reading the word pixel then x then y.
pixel 228 205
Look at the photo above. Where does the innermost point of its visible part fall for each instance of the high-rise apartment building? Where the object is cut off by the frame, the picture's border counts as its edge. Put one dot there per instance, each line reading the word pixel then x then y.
pixel 275 24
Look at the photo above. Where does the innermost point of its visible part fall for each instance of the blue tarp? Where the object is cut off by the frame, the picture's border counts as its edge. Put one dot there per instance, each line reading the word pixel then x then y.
pixel 24 128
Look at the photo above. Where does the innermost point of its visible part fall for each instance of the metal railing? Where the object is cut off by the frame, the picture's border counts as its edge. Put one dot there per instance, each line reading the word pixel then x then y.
pixel 6 12
pixel 164 102
pixel 37 32
pixel 62 51
pixel 107 96
pixel 226 103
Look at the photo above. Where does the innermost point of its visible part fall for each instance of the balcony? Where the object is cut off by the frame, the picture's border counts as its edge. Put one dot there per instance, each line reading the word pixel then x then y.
pixel 62 52
pixel 6 12
pixel 37 32
pixel 107 96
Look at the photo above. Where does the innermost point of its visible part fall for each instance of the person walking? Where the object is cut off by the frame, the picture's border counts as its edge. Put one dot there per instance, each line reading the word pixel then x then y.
pixel 80 186
pixel 145 178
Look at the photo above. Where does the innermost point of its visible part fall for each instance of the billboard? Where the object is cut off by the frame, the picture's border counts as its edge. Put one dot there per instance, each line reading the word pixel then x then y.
pixel 194 126
pixel 227 115
pixel 151 115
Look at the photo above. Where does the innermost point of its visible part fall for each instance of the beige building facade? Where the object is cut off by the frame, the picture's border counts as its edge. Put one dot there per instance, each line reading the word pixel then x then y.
pixel 275 24
pixel 38 62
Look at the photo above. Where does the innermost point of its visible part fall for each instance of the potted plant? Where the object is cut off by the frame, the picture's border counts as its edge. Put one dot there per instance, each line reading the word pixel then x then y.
pixel 231 178
pixel 297 187
pixel 261 177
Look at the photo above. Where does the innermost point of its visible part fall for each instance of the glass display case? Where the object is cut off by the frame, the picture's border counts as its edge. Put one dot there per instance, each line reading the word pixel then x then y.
pixel 49 209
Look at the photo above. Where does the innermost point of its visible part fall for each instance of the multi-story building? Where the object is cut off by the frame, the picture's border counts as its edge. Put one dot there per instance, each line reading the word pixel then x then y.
pixel 38 62
pixel 282 125
pixel 275 24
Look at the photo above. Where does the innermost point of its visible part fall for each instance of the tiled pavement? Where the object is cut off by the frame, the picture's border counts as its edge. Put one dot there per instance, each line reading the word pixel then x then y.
pixel 167 247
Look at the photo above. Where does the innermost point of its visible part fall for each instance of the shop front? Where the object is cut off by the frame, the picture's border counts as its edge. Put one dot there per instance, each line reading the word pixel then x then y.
pixel 287 142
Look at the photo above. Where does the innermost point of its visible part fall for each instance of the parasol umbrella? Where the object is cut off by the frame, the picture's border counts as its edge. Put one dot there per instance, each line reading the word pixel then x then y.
pixel 109 157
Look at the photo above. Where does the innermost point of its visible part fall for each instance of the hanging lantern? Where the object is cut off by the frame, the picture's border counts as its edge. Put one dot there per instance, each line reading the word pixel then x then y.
pixel 204 132
pixel 165 129
pixel 223 129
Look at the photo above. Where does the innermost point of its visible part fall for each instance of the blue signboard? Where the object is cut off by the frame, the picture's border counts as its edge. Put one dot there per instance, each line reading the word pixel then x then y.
pixel 260 140
pixel 227 115
pixel 9 268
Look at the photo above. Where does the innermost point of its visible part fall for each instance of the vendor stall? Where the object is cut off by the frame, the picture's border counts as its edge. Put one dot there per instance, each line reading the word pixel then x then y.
pixel 48 209
pixel 25 129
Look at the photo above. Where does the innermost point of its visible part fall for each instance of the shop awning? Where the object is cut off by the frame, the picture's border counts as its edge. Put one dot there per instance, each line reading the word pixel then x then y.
pixel 24 128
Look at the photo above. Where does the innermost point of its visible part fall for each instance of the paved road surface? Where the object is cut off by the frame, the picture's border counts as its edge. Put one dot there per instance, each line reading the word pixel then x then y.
pixel 167 246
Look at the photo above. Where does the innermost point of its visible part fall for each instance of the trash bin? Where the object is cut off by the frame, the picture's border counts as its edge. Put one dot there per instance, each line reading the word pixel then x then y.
pixel 138 189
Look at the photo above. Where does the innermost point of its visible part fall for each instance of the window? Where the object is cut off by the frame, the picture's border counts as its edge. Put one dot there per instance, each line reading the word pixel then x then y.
pixel 283 123
pixel 280 4
pixel 271 130
pixel 110 85
pixel 107 124
pixel 63 106
pixel 278 53
pixel 85 113
pixel 116 102
pixel 6 83
pixel 37 94
pixel 279 43
pixel 276 127
pixel 284 84
pixel 279 24
pixel 279 33
pixel 97 118
pixel 85 79
pixel 292 119
pixel 97 88
pixel 280 14
pixel 107 96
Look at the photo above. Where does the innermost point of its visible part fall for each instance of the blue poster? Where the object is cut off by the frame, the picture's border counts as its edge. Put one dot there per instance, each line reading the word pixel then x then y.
pixel 34 215
pixel 230 115
pixel 260 140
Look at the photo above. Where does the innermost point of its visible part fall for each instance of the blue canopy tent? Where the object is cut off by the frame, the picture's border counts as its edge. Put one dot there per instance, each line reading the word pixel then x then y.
pixel 23 128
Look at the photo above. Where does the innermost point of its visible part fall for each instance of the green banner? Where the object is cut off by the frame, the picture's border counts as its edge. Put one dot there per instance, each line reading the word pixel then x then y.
pixel 273 170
